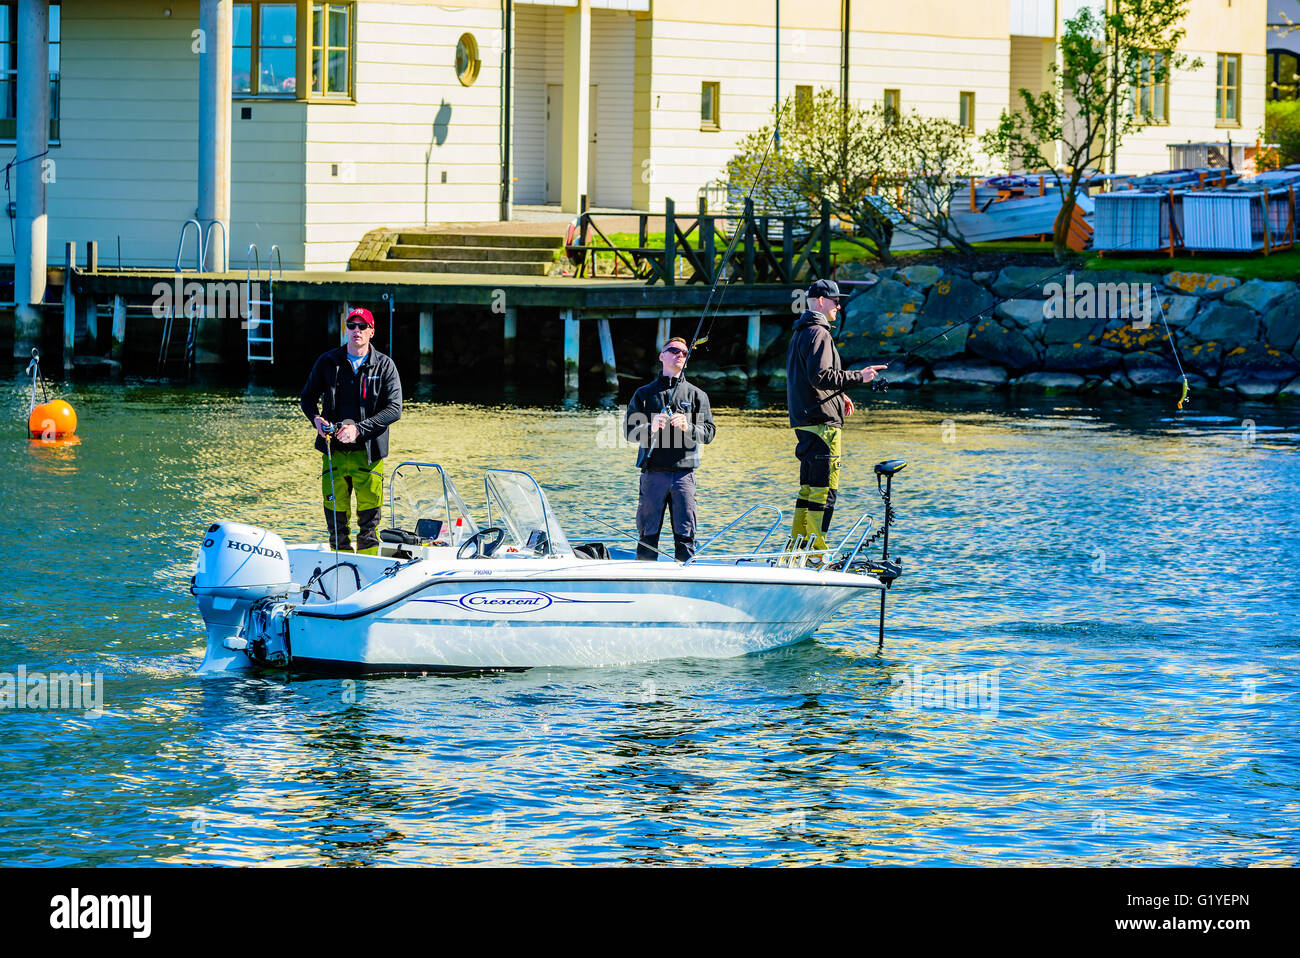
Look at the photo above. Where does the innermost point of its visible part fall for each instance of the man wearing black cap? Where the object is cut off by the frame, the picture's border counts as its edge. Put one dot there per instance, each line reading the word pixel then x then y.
pixel 813 377
pixel 360 391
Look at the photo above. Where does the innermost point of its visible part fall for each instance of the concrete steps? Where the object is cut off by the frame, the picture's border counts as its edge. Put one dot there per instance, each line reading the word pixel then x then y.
pixel 421 251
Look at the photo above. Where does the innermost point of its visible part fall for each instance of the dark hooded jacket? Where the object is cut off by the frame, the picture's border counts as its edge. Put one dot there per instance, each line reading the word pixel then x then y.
pixel 670 448
pixel 813 373
pixel 371 398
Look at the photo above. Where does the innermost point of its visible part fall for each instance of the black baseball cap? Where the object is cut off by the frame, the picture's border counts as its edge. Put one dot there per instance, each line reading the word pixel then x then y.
pixel 827 288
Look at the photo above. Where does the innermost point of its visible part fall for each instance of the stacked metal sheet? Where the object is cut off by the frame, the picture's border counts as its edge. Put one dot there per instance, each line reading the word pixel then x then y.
pixel 1131 220
pixel 1234 220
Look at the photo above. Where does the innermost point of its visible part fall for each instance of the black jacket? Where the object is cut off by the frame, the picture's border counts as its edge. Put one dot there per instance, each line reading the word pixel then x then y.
pixel 672 448
pixel 813 372
pixel 371 398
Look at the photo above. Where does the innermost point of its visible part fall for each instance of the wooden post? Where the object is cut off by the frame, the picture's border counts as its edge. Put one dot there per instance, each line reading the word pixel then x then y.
pixel 607 354
pixel 748 226
pixel 972 193
pixel 508 331
pixel 1171 222
pixel 825 251
pixel 117 345
pixel 1266 230
pixel 664 331
pixel 752 341
pixel 92 257
pixel 670 243
pixel 1042 185
pixel 69 306
pixel 570 351
pixel 705 229
pixel 426 343
pixel 344 309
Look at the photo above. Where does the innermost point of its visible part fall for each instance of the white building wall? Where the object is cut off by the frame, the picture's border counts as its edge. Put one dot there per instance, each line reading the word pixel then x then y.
pixel 742 60
pixel 127 161
pixel 380 162
pixel 1191 114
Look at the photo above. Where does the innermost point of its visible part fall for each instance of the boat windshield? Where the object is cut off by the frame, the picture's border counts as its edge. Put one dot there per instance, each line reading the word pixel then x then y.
pixel 517 504
pixel 423 500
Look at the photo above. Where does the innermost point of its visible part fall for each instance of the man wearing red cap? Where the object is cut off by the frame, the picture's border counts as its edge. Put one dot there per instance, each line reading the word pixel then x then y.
pixel 359 392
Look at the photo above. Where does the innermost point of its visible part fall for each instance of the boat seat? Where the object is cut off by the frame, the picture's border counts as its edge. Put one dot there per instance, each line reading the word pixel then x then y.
pixel 592 550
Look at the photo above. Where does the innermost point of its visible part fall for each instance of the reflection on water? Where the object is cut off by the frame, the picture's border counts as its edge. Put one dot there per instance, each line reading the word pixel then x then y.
pixel 1125 583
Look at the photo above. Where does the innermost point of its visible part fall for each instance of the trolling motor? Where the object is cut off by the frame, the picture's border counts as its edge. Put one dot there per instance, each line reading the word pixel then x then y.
pixel 888 571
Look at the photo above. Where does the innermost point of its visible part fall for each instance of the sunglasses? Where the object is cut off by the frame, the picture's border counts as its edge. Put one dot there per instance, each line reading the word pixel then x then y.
pixel 358 325
pixel 676 350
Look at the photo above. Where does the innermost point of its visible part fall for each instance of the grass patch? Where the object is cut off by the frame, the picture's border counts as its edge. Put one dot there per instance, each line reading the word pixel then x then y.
pixel 1283 265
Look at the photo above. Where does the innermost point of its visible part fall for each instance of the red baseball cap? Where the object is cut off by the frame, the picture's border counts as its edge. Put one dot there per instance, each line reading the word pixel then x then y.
pixel 363 315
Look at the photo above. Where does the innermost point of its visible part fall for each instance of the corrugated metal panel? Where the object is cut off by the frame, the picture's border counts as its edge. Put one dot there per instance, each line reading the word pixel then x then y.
pixel 529 101
pixel 613 62
pixel 1130 221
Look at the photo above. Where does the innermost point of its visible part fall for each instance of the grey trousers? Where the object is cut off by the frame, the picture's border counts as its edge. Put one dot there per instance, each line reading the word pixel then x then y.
pixel 677 491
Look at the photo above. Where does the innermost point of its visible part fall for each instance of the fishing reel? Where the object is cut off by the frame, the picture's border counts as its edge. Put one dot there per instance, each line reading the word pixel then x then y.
pixel 879 385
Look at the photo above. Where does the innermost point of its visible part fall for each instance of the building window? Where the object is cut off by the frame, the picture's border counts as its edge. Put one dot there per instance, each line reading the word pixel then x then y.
pixel 1227 91
pixel 966 112
pixel 1283 83
pixel 1150 101
pixel 710 118
pixel 264 55
pixel 331 46
pixel 467 61
pixel 803 103
pixel 893 106
pixel 9 71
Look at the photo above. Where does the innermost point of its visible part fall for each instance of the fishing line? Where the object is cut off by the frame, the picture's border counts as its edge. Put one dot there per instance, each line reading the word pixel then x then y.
pixel 726 257
pixel 1016 295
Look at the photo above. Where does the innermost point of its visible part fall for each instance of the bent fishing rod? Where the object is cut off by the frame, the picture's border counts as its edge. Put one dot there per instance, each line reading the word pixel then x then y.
pixel 879 383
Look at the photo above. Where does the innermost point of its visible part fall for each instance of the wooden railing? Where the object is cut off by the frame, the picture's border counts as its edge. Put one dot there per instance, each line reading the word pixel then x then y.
pixel 770 247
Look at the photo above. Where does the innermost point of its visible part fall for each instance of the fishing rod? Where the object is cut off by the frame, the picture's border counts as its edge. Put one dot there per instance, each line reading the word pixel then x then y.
pixel 722 268
pixel 967 319
pixel 626 535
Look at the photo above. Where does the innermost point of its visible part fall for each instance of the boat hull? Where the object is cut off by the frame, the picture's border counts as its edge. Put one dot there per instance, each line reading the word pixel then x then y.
pixel 526 623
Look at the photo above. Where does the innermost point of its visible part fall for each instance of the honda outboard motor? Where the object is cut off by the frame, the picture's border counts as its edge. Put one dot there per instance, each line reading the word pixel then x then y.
pixel 238 566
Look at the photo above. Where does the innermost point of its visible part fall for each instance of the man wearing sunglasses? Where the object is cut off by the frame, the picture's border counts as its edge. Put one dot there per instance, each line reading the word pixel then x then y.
pixel 817 413
pixel 668 419
pixel 360 392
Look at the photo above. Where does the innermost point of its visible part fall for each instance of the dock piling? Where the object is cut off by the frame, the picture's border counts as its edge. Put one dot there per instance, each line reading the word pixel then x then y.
pixel 509 329
pixel 69 305
pixel 607 354
pixel 752 341
pixel 117 345
pixel 570 351
pixel 426 343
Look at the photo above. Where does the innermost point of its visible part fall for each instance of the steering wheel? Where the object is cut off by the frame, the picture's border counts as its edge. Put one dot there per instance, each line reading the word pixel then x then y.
pixel 481 550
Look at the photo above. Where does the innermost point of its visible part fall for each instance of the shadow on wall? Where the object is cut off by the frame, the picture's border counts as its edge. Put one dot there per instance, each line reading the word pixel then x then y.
pixel 441 123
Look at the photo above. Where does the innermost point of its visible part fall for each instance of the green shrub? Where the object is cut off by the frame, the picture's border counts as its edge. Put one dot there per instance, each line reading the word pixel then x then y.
pixel 1282 126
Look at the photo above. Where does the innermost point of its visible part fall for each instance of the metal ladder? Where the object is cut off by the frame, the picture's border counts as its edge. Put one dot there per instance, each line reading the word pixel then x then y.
pixel 261 330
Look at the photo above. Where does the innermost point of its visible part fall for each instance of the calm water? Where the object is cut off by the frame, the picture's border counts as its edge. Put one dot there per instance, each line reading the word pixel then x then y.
pixel 1120 587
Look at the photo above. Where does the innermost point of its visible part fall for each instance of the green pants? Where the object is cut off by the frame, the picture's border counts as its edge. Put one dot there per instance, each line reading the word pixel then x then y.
pixel 818 451
pixel 352 472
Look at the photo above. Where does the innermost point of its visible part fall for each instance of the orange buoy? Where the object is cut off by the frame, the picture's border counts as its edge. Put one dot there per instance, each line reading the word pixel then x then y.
pixel 52 420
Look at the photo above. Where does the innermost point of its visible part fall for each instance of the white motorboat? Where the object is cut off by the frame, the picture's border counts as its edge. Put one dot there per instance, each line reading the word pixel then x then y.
pixel 446 595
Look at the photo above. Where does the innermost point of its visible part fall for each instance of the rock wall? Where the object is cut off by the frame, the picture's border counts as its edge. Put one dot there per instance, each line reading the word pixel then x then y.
pixel 1043 328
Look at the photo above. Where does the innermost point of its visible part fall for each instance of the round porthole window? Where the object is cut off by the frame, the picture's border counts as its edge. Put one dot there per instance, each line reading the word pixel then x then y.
pixel 467 61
